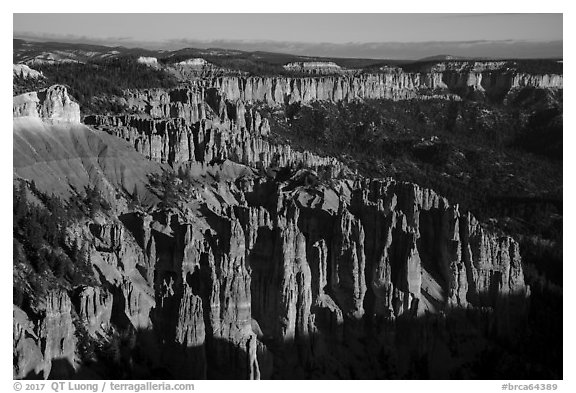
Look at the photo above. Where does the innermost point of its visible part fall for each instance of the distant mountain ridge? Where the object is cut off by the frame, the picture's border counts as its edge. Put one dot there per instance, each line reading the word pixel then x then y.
pixel 37 52
pixel 30 52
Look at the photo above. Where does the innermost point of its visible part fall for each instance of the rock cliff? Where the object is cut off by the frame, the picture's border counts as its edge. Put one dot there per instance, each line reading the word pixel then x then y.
pixel 314 67
pixel 179 126
pixel 51 338
pixel 280 279
pixel 53 104
pixel 393 85
pixel 25 72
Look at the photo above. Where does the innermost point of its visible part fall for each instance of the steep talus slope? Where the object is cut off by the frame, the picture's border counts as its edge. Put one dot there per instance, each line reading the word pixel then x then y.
pixel 258 261
pixel 61 158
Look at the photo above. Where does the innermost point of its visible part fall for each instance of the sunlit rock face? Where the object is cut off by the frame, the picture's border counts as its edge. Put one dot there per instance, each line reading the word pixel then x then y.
pixel 149 61
pixel 179 126
pixel 25 72
pixel 53 104
pixel 394 85
pixel 314 67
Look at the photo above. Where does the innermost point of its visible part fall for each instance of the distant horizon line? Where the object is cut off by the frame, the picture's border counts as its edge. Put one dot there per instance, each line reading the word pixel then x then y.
pixel 305 49
pixel 105 41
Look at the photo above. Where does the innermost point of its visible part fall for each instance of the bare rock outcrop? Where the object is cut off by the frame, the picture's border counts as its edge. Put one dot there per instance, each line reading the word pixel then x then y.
pixel 25 72
pixel 28 357
pixel 309 284
pixel 46 347
pixel 58 331
pixel 148 61
pixel 277 279
pixel 53 104
pixel 95 309
pixel 314 67
pixel 179 139
pixel 393 85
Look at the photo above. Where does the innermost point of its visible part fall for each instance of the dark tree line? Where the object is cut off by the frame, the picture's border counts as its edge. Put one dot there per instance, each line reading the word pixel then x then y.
pixel 22 85
pixel 104 78
pixel 42 252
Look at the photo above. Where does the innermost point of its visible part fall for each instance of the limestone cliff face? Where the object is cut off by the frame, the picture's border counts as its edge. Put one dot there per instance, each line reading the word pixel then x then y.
pixel 210 121
pixel 176 103
pixel 380 250
pixel 37 344
pixel 538 81
pixel 395 85
pixel 25 72
pixel 95 309
pixel 268 283
pixel 28 357
pixel 57 330
pixel 314 67
pixel 215 275
pixel 52 104
pixel 124 266
pixel 282 278
pixel 174 141
pixel 196 133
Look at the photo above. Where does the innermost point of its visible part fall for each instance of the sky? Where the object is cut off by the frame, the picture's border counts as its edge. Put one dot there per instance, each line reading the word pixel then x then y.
pixel 340 35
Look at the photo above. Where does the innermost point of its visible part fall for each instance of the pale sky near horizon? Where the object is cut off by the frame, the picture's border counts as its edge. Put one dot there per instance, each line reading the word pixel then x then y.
pixel 335 28
pixel 308 29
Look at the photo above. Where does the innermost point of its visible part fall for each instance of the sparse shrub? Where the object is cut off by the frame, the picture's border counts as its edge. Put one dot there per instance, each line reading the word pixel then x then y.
pixel 172 188
pixel 95 201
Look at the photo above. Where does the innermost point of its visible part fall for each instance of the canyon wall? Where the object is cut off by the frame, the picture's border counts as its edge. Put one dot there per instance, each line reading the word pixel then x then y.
pixel 279 280
pixel 179 126
pixel 395 85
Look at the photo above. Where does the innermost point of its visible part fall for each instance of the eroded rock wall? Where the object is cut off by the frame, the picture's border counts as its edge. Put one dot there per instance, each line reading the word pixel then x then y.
pixel 52 104
pixel 176 140
pixel 395 85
